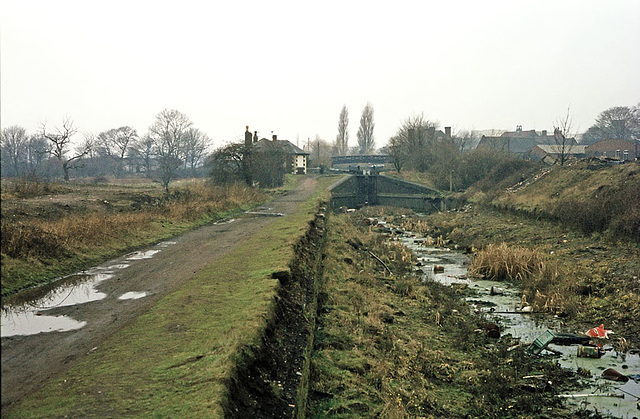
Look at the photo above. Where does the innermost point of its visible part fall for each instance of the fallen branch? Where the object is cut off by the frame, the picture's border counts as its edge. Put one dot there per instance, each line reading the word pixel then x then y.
pixel 380 260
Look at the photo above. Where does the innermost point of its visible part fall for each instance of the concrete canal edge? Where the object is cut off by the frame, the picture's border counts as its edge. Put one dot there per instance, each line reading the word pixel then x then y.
pixel 272 378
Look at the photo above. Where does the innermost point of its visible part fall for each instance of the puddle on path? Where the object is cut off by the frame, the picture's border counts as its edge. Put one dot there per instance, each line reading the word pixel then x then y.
pixel 133 295
pixel 499 298
pixel 27 313
pixel 147 254
pixel 229 221
pixel 29 317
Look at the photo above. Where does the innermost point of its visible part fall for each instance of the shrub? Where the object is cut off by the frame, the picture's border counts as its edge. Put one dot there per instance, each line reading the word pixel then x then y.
pixel 615 208
pixel 21 240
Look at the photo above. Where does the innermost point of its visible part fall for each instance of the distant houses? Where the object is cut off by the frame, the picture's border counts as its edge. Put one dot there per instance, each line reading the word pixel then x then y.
pixel 553 153
pixel 522 143
pixel 614 149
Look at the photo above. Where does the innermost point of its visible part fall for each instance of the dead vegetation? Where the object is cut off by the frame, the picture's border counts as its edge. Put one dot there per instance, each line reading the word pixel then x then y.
pixel 503 262
pixel 57 228
pixel 396 347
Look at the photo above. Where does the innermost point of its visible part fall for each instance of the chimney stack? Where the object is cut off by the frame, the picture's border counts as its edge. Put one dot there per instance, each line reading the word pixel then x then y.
pixel 447 133
pixel 544 132
pixel 275 137
pixel 247 138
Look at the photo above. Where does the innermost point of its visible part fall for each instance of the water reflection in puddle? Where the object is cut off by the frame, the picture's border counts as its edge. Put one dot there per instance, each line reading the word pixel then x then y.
pixel 27 313
pixel 500 301
pixel 132 295
pixel 32 323
pixel 147 254
pixel 29 318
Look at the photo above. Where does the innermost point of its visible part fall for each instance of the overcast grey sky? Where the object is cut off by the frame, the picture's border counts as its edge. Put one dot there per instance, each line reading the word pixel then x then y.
pixel 290 66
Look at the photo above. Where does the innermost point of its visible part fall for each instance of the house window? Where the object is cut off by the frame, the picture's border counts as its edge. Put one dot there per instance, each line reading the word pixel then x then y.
pixel 618 154
pixel 625 153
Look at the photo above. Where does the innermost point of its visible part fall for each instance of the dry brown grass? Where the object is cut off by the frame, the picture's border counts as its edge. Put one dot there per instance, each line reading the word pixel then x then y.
pixel 52 238
pixel 71 235
pixel 504 262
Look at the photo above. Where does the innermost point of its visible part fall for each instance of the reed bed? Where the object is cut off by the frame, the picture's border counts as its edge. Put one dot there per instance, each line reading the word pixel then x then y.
pixel 504 262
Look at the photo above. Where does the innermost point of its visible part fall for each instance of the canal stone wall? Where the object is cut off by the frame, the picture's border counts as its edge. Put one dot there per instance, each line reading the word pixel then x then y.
pixel 360 190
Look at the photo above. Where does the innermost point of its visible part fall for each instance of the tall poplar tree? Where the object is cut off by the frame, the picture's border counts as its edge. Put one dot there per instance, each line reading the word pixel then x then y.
pixel 341 145
pixel 365 132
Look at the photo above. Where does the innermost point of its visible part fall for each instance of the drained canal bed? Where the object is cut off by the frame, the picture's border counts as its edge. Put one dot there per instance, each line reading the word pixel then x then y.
pixel 500 303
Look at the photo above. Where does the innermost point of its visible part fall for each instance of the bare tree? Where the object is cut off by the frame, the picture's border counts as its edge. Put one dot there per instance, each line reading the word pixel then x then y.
pixel 14 142
pixel 168 133
pixel 564 142
pixel 59 144
pixel 115 144
pixel 320 152
pixel 195 144
pixel 366 140
pixel 341 145
pixel 617 123
pixel 465 140
pixel 142 151
pixel 36 152
pixel 413 145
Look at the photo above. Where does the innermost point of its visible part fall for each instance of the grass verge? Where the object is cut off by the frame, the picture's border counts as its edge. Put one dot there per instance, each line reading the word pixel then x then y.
pixel 175 360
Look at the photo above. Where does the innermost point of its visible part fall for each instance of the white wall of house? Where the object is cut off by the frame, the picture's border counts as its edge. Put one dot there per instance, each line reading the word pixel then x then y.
pixel 300 162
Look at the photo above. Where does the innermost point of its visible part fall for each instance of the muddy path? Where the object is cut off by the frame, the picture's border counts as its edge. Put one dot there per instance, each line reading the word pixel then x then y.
pixel 28 361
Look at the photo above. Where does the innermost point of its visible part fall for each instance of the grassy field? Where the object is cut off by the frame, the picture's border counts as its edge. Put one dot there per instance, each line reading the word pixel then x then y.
pixel 174 360
pixel 50 230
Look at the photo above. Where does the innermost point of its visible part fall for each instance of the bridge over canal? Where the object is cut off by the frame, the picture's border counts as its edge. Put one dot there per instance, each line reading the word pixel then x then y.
pixel 358 190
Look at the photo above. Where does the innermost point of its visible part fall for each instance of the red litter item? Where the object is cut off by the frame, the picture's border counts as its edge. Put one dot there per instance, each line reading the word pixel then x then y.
pixel 599 332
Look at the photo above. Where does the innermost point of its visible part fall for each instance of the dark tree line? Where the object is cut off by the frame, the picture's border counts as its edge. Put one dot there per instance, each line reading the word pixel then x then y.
pixel 171 148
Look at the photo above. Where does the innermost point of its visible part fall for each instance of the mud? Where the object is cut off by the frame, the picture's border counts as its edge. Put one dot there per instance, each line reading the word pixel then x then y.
pixel 28 361
pixel 272 380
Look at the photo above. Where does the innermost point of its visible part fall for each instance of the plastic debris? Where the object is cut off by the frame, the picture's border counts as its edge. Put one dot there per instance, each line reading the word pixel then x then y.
pixel 492 330
pixel 570 339
pixel 611 374
pixel 589 352
pixel 540 343
pixel 599 332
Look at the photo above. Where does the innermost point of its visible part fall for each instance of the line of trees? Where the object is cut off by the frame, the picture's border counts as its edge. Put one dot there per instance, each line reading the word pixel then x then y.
pixel 171 148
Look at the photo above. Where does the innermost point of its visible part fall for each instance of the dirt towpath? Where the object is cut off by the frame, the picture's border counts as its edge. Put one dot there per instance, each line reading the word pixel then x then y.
pixel 29 361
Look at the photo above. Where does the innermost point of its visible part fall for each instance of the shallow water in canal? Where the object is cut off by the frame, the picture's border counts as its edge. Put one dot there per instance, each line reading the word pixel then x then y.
pixel 500 302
